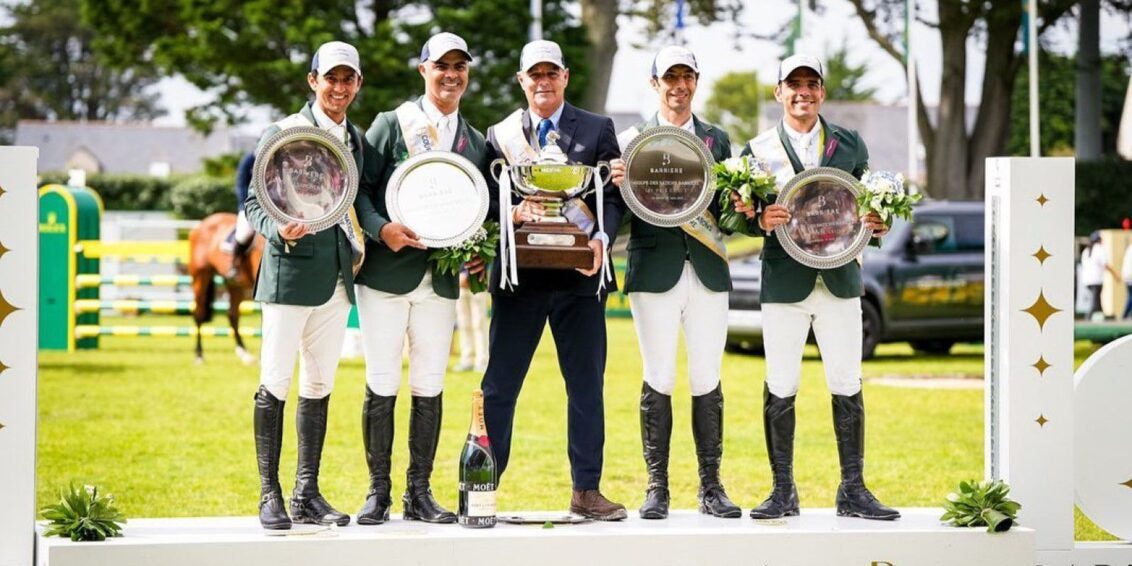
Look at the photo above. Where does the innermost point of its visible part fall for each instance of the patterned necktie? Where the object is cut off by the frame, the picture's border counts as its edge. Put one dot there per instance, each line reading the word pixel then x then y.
pixel 544 128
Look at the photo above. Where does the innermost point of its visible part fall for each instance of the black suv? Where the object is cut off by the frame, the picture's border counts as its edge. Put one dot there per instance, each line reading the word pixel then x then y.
pixel 924 285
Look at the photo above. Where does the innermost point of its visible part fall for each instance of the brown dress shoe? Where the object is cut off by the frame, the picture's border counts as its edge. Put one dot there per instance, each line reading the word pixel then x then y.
pixel 593 505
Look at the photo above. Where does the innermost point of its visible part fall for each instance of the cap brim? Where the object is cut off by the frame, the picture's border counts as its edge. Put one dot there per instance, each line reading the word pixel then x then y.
pixel 787 72
pixel 554 62
pixel 457 49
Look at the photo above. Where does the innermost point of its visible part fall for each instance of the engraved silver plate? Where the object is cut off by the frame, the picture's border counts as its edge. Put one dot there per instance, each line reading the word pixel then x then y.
pixel 440 195
pixel 550 240
pixel 305 175
pixel 668 176
pixel 825 228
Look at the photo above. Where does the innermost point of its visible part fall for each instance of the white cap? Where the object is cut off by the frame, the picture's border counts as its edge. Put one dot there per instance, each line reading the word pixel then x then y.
pixel 440 44
pixel 540 51
pixel 333 54
pixel 795 62
pixel 670 57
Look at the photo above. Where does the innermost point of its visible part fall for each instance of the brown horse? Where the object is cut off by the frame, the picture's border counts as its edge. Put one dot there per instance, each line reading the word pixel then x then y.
pixel 207 259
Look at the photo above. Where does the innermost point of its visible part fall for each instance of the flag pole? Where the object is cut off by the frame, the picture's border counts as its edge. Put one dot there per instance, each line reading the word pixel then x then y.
pixel 1032 34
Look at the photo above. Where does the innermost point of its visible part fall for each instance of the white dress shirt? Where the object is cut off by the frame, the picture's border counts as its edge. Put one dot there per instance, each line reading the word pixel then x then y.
pixel 445 123
pixel 689 126
pixel 326 123
pixel 806 145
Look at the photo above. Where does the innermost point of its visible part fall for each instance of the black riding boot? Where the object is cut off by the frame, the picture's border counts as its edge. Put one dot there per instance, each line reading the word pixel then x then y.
pixel 778 424
pixel 656 434
pixel 239 254
pixel 377 434
pixel 307 504
pixel 424 434
pixel 707 430
pixel 268 423
pixel 853 498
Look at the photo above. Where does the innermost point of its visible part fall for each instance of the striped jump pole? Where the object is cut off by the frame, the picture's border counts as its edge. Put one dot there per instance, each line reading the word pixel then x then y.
pixel 90 280
pixel 91 331
pixel 129 306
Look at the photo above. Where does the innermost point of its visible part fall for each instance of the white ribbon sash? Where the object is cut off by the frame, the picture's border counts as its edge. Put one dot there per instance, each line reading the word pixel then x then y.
pixel 416 129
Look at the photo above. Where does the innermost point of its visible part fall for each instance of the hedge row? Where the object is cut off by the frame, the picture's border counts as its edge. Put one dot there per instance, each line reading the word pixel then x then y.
pixel 187 196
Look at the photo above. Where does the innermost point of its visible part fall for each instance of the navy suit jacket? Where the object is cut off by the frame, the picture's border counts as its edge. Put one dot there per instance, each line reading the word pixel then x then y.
pixel 587 138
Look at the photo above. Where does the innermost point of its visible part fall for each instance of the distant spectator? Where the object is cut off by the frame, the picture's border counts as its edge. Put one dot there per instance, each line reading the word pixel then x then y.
pixel 1094 263
pixel 1126 275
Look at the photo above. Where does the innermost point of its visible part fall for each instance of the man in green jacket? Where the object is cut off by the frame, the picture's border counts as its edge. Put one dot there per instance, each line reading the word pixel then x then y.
pixel 796 298
pixel 400 291
pixel 306 285
pixel 678 277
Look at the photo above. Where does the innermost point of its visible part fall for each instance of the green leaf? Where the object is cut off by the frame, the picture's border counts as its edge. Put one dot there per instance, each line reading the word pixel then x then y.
pixel 82 514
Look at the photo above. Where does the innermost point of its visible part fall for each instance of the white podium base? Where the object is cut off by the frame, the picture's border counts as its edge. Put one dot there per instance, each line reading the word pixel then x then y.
pixel 817 538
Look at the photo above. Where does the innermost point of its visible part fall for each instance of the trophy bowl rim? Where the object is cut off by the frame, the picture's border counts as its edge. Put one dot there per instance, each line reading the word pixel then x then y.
pixel 860 239
pixel 479 183
pixel 520 184
pixel 706 195
pixel 337 148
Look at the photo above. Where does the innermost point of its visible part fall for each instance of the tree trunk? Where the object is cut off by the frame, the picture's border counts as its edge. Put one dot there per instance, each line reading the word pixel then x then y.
pixel 599 18
pixel 1087 131
pixel 992 123
pixel 947 151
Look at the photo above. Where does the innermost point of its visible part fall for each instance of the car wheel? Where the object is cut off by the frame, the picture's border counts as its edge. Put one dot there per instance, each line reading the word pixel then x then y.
pixel 934 347
pixel 870 329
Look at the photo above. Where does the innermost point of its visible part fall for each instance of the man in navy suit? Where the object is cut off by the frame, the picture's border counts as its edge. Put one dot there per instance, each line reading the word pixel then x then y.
pixel 572 301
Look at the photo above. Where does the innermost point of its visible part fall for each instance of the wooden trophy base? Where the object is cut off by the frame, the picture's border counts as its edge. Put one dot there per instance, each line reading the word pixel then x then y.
pixel 552 245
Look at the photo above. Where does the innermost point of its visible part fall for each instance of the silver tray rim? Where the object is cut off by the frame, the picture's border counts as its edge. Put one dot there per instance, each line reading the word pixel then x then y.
pixel 701 204
pixel 340 151
pixel 406 167
pixel 860 240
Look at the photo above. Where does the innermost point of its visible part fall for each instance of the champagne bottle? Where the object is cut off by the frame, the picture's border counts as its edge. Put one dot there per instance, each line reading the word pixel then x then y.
pixel 477 473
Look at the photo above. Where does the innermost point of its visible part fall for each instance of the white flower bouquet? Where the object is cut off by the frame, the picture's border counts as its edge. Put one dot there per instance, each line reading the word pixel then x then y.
pixel 484 243
pixel 883 192
pixel 749 177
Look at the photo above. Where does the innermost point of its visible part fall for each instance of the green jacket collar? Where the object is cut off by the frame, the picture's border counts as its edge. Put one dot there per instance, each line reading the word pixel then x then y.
pixel 833 139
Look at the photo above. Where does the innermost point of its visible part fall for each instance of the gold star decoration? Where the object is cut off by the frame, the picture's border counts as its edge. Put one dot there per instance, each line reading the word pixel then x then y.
pixel 1127 484
pixel 2 191
pixel 1042 200
pixel 1041 365
pixel 6 308
pixel 1041 310
pixel 1041 254
pixel 3 368
pixel 1041 420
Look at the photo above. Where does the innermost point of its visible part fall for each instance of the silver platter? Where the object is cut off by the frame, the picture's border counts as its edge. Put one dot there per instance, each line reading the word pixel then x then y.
pixel 440 195
pixel 669 177
pixel 541 518
pixel 305 175
pixel 825 230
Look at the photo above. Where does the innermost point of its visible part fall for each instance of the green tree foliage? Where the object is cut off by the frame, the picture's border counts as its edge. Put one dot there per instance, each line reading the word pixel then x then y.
pixel 843 79
pixel 1057 100
pixel 735 102
pixel 259 51
pixel 50 70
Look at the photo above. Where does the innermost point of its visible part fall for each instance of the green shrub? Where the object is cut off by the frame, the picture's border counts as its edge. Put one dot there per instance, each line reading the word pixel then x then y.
pixel 1104 194
pixel 200 195
pixel 123 191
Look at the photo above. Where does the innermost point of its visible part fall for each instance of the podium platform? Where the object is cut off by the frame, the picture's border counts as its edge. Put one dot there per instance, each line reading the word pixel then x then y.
pixel 816 538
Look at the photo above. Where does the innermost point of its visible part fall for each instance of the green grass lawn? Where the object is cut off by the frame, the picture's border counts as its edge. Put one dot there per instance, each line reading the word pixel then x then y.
pixel 170 438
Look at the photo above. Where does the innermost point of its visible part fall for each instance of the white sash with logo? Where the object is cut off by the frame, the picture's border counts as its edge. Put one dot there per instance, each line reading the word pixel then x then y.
pixel 416 129
pixel 517 149
pixel 704 227
pixel 349 222
pixel 768 145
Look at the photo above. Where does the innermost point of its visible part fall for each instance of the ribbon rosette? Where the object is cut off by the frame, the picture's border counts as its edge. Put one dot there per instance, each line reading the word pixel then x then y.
pixel 883 192
pixel 484 243
pixel 747 176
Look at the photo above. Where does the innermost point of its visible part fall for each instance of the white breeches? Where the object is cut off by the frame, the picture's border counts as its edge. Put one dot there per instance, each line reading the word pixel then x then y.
pixel 837 328
pixel 386 318
pixel 315 333
pixel 244 230
pixel 658 317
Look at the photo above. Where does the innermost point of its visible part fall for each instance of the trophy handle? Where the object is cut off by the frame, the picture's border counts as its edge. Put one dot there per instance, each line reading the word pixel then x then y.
pixel 602 180
pixel 502 164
